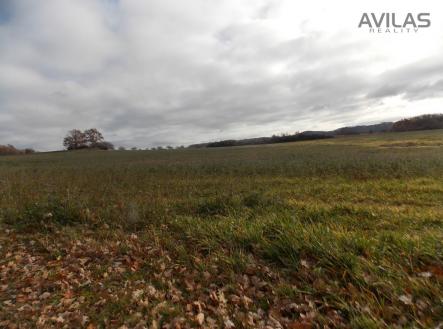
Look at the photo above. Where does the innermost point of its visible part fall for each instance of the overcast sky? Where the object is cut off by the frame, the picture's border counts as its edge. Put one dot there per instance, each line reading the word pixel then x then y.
pixel 172 72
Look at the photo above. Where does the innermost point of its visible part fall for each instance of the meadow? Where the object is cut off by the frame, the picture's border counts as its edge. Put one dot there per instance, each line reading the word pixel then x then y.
pixel 337 233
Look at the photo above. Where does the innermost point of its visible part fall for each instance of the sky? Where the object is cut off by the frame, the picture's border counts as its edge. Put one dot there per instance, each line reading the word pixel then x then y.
pixel 169 72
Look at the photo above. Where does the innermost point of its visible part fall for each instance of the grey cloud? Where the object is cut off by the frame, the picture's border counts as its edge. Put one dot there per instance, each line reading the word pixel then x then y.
pixel 414 81
pixel 149 73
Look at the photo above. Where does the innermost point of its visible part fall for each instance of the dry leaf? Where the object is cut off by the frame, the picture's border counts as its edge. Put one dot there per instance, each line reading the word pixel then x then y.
pixel 200 318
pixel 406 299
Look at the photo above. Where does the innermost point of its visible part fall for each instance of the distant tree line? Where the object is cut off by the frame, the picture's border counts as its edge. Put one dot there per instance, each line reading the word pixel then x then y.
pixel 11 150
pixel 283 138
pixel 93 139
pixel 422 122
pixel 88 139
pixel 158 148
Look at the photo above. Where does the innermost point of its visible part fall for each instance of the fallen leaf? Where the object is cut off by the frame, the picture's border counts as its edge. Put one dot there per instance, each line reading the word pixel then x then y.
pixel 68 294
pixel 229 324
pixel 45 295
pixel 299 325
pixel 406 299
pixel 200 318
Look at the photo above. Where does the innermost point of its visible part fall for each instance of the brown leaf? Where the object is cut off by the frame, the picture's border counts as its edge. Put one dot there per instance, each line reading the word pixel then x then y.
pixel 45 295
pixel 200 318
pixel 68 294
pixel 406 299
pixel 299 325
pixel 229 324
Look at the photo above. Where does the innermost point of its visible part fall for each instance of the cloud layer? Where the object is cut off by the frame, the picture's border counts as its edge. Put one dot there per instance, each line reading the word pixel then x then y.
pixel 151 73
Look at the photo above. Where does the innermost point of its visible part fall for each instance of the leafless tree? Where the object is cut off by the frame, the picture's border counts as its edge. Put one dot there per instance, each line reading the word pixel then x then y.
pixel 74 140
pixel 93 137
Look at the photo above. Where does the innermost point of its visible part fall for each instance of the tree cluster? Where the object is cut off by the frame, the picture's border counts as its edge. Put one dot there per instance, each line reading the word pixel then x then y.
pixel 11 150
pixel 90 138
pixel 422 122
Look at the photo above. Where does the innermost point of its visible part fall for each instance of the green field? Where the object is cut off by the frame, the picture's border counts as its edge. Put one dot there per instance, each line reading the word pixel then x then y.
pixel 343 232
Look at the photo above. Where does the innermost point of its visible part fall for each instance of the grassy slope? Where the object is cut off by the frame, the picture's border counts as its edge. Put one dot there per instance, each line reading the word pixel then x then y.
pixel 344 232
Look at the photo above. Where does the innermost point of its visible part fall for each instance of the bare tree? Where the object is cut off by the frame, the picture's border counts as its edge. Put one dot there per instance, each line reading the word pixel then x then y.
pixel 74 140
pixel 93 137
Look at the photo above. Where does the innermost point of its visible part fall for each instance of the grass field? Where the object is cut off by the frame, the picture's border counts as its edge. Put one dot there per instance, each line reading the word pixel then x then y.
pixel 344 232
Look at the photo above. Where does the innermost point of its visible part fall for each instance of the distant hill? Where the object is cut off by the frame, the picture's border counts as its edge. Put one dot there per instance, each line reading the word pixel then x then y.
pixel 262 140
pixel 423 122
pixel 377 128
pixel 354 130
pixel 303 136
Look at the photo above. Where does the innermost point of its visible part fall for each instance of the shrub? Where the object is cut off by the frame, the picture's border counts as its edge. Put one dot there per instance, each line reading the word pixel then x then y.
pixel 104 146
pixel 8 150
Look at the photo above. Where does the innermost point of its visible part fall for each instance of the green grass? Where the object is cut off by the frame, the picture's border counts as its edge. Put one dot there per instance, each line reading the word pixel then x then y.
pixel 351 224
